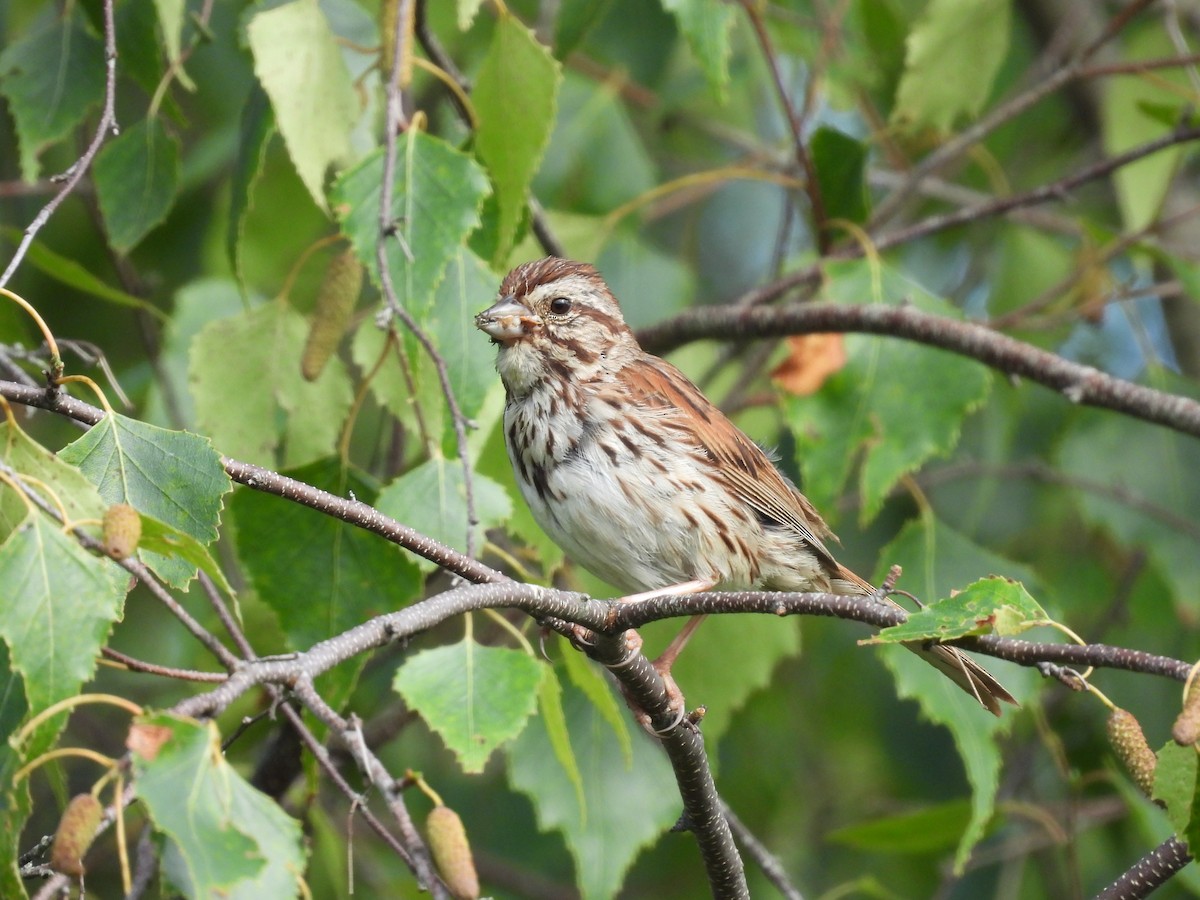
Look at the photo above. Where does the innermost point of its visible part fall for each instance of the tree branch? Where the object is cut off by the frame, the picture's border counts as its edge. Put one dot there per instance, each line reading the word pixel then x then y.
pixel 1078 383
pixel 73 175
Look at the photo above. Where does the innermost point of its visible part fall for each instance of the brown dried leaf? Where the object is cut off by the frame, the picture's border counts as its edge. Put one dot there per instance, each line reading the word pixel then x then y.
pixel 147 740
pixel 811 359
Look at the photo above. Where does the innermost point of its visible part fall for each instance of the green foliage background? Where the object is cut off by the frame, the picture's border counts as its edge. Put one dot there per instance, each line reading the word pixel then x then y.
pixel 648 138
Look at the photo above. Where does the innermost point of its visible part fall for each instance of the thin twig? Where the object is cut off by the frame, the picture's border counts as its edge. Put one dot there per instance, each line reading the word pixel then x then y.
pixel 138 665
pixel 1005 112
pixel 1056 190
pixel 106 126
pixel 812 186
pixel 771 867
pixel 397 122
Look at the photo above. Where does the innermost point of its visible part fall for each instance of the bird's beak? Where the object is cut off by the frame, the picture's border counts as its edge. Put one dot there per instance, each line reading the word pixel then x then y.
pixel 507 320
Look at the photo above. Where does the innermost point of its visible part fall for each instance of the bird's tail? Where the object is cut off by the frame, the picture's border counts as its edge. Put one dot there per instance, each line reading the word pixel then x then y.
pixel 950 661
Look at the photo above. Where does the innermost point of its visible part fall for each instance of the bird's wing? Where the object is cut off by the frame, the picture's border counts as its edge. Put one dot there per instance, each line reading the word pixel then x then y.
pixel 744 466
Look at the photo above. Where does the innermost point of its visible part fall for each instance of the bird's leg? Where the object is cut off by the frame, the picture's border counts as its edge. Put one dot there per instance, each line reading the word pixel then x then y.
pixel 667 658
pixel 695 586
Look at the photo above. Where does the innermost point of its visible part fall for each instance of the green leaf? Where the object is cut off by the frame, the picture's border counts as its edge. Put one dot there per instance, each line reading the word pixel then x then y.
pixel 1175 784
pixel 255 357
pixel 575 19
pixel 954 53
pixel 587 677
pixel 628 805
pixel 1151 505
pixel 469 285
pixel 928 830
pixel 225 838
pixel 137 177
pixel 867 407
pixel 72 274
pixel 345 575
pixel 934 558
pixel 438 195
pixel 195 305
pixel 706 26
pixel 476 698
pixel 171 16
pixel 750 647
pixel 884 30
pixel 257 126
pixel 51 79
pixel 1128 120
pixel 55 479
pixel 14 796
pixel 554 720
pixel 300 66
pixel 841 163
pixel 56 609
pixel 988 606
pixel 173 477
pixel 432 499
pixel 517 82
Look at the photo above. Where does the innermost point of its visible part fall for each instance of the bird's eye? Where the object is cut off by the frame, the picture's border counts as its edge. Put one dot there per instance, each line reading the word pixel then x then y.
pixel 560 306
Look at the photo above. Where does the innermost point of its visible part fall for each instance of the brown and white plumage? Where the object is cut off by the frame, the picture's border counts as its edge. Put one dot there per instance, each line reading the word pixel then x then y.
pixel 632 471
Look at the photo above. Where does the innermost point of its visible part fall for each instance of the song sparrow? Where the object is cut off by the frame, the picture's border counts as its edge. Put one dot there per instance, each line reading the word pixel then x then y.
pixel 637 476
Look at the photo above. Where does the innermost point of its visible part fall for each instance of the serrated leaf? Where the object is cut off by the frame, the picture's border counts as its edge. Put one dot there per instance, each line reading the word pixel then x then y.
pixel 56 609
pixel 469 284
pixel 988 606
pixel 170 544
pixel 257 126
pixel 934 558
pixel 1153 504
pixel 136 176
pixel 51 79
pixel 927 830
pixel 1175 784
pixel 345 575
pixel 867 407
pixel 225 838
pixel 706 26
pixel 173 477
pixel 517 82
pixel 628 806
pixel 587 677
pixel 436 203
pixel 841 163
pixel 298 62
pixel 953 54
pixel 554 720
pixel 476 698
pixel 69 272
pixel 432 499
pixel 56 480
pixel 262 348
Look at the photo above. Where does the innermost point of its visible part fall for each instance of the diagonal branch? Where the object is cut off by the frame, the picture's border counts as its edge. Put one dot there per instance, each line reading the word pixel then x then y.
pixel 71 178
pixel 1078 383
